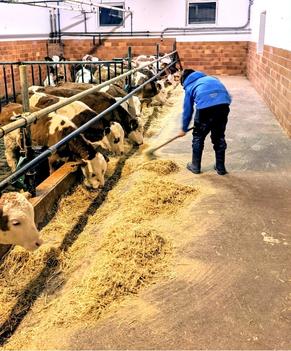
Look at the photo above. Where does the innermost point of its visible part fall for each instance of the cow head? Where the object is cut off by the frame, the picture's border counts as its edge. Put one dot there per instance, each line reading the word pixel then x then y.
pixel 134 106
pixel 136 134
pixel 116 138
pixel 55 71
pixel 94 171
pixel 17 225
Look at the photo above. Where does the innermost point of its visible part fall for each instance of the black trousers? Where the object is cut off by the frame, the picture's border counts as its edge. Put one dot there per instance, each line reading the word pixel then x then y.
pixel 211 119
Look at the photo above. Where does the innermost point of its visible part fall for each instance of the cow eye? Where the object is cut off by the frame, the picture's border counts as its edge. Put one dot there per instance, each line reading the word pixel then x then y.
pixel 93 175
pixel 15 222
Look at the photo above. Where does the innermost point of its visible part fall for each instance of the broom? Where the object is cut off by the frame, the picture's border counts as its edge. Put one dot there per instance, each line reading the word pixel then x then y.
pixel 150 153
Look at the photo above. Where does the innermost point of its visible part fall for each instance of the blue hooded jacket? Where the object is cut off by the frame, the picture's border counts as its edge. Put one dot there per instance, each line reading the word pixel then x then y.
pixel 203 91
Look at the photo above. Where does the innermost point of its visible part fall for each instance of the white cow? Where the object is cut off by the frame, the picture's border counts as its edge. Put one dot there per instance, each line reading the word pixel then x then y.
pixel 94 171
pixel 136 135
pixel 131 105
pixel 116 138
pixel 85 76
pixel 55 73
pixel 113 140
pixel 17 225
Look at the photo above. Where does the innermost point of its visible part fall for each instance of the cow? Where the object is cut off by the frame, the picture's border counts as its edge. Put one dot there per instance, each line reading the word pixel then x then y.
pixel 131 105
pixel 78 112
pixel 84 73
pixel 116 138
pixel 50 129
pixel 98 102
pixel 17 225
pixel 55 73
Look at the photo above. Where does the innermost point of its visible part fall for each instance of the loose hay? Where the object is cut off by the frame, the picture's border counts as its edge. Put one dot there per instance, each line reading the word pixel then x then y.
pixel 130 257
pixel 118 250
pixel 161 167
pixel 152 196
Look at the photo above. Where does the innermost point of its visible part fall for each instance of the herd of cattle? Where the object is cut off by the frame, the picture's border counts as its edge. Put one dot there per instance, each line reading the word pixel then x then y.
pixel 91 148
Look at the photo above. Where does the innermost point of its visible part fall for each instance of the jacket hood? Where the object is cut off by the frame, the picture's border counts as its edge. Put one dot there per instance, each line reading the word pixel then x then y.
pixel 193 77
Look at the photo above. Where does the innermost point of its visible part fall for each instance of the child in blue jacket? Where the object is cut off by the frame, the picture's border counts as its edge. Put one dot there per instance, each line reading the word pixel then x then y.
pixel 211 101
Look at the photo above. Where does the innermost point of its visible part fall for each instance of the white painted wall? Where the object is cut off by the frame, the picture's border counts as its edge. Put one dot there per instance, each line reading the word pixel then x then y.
pixel 148 15
pixel 156 15
pixel 23 19
pixel 278 22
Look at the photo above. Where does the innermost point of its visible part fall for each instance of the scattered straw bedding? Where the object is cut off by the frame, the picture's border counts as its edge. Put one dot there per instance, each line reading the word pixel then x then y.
pixel 95 256
pixel 160 167
pixel 118 251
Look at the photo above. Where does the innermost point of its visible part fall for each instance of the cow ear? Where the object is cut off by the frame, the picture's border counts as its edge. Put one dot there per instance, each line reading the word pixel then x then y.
pixel 3 221
pixel 107 130
pixel 47 58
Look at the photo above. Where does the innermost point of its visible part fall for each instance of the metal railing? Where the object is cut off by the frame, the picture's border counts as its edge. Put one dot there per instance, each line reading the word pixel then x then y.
pixel 26 120
pixel 38 71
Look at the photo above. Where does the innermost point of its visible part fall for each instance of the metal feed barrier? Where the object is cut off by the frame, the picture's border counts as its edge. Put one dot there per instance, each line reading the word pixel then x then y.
pixel 26 119
pixel 37 71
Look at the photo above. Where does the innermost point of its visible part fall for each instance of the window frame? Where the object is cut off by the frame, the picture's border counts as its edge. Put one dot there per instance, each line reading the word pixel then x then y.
pixel 114 4
pixel 188 2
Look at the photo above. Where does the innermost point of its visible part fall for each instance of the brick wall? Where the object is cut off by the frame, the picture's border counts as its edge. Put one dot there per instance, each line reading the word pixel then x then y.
pixel 28 50
pixel 75 49
pixel 23 50
pixel 270 73
pixel 218 58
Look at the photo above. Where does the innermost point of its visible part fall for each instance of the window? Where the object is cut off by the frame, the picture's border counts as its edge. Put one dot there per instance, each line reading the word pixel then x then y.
pixel 262 29
pixel 110 17
pixel 202 12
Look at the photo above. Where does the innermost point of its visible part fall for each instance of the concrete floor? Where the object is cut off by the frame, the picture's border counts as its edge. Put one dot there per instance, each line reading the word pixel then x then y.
pixel 239 237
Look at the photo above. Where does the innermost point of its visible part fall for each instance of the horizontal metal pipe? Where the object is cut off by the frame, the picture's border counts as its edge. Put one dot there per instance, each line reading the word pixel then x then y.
pixel 146 34
pixel 17 174
pixel 60 62
pixel 91 4
pixel 35 115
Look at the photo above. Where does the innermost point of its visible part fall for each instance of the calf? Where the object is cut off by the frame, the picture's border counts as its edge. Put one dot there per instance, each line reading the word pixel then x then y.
pixel 85 75
pixel 55 73
pixel 131 105
pixel 50 129
pixel 98 102
pixel 78 112
pixel 17 225
pixel 116 138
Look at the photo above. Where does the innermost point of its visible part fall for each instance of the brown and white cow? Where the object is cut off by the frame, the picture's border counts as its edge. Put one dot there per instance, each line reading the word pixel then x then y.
pixel 77 112
pixel 46 132
pixel 131 105
pixel 98 102
pixel 17 225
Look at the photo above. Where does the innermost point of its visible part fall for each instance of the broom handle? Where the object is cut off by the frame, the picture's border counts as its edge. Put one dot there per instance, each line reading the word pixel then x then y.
pixel 169 141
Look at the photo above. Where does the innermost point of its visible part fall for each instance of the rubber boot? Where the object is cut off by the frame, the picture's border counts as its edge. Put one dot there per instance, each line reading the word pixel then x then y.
pixel 220 160
pixel 195 166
